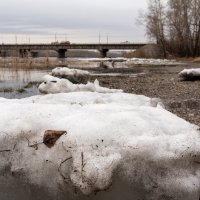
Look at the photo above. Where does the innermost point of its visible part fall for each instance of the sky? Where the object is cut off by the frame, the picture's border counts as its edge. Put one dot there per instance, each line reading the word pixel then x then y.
pixel 42 21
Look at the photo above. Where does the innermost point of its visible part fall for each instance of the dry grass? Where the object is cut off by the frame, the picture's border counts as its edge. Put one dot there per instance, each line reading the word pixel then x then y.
pixel 136 54
pixel 29 63
pixel 147 51
pixel 197 59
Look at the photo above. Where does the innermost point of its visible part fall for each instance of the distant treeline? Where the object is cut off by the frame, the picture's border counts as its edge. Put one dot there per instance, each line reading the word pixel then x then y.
pixel 175 26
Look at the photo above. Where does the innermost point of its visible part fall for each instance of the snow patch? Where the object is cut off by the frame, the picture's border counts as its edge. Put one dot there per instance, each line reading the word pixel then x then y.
pixel 124 61
pixel 68 71
pixel 118 59
pixel 124 135
pixel 73 75
pixel 144 61
pixel 190 73
pixel 54 85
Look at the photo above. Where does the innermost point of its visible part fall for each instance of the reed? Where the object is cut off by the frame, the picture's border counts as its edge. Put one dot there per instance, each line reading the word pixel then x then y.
pixel 30 63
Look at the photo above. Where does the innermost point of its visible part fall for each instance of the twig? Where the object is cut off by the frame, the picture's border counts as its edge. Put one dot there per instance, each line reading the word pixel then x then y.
pixel 35 146
pixel 64 147
pixel 83 164
pixel 5 150
pixel 82 167
pixel 59 168
pixel 14 146
pixel 82 158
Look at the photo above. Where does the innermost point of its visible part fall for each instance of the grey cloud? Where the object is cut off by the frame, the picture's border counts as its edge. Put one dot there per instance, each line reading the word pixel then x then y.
pixel 48 16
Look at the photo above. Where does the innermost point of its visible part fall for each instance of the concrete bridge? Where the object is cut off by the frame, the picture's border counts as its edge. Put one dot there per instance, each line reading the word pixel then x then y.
pixel 31 49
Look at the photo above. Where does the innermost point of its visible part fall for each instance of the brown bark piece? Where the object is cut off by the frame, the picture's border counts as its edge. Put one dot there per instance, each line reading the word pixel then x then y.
pixel 51 136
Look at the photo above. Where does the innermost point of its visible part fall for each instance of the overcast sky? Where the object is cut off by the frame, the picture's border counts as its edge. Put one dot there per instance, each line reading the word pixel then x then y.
pixel 74 20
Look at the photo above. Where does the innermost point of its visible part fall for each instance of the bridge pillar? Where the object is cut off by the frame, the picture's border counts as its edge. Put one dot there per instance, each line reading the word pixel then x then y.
pixel 61 53
pixel 24 53
pixel 103 53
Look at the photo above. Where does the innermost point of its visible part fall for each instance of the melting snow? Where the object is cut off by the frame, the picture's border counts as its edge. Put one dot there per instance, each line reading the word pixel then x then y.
pixel 59 71
pixel 110 135
pixel 143 61
pixel 137 61
pixel 190 73
pixel 55 85
pixel 73 75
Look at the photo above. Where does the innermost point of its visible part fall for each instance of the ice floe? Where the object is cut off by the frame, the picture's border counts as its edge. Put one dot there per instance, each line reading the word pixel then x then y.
pixel 73 75
pixel 53 85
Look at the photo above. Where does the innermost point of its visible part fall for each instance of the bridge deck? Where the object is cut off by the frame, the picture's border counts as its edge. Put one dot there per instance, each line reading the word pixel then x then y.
pixel 70 46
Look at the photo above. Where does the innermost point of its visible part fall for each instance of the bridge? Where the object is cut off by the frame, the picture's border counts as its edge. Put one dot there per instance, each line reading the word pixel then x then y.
pixel 61 49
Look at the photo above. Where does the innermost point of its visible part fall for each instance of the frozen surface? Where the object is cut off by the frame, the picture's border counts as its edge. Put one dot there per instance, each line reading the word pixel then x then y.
pixel 143 61
pixel 123 143
pixel 137 61
pixel 56 85
pixel 119 59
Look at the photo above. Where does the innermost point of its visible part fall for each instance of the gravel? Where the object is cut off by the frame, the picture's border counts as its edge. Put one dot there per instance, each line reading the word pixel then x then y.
pixel 180 97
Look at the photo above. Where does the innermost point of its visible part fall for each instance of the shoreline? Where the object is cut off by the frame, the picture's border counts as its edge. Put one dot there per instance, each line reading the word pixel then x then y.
pixel 179 97
pixel 156 81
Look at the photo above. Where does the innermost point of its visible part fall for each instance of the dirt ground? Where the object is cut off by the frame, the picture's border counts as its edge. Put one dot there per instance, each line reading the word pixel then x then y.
pixel 180 97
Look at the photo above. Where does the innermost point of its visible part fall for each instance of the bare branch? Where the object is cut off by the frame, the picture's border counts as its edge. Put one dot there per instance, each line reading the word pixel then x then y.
pixel 5 150
pixel 35 145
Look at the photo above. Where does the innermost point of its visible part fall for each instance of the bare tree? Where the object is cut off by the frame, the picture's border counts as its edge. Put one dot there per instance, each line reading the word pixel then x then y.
pixel 175 26
pixel 155 23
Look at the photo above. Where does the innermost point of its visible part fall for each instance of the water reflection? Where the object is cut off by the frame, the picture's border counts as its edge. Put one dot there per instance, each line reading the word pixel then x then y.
pixel 15 83
pixel 17 73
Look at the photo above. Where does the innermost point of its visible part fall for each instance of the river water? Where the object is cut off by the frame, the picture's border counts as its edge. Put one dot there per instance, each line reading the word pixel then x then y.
pixel 20 83
pixel 20 78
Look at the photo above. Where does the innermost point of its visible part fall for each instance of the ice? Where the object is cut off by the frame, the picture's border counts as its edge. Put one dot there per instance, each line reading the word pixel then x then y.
pixel 144 61
pixel 67 71
pixel 113 140
pixel 54 85
pixel 190 73
pixel 73 75
pixel 126 61
pixel 132 60
pixel 118 59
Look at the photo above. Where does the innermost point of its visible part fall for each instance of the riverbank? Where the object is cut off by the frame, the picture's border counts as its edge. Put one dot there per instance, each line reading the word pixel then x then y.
pixel 82 148
pixel 157 81
pixel 179 97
